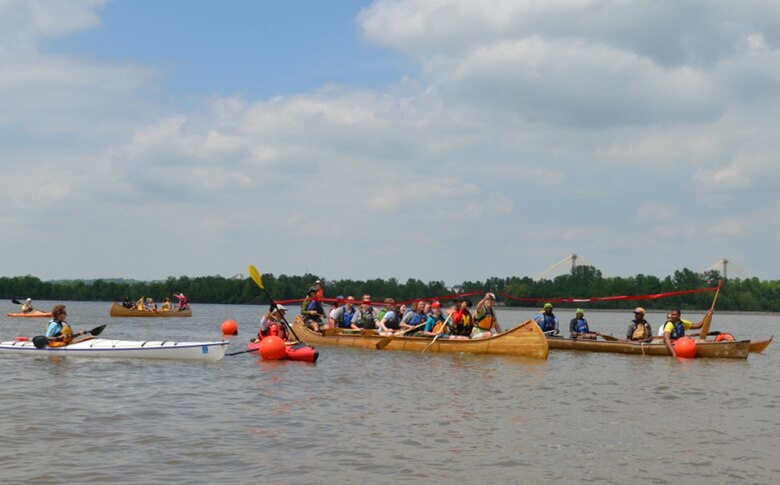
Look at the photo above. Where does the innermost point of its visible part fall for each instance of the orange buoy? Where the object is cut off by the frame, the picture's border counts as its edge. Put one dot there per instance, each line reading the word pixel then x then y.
pixel 272 348
pixel 229 327
pixel 685 347
pixel 724 337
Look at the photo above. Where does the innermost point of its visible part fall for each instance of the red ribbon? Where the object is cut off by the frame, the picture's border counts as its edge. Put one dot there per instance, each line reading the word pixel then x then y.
pixel 654 296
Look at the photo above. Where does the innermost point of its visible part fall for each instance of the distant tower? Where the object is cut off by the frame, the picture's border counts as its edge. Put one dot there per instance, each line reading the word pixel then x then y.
pixel 573 261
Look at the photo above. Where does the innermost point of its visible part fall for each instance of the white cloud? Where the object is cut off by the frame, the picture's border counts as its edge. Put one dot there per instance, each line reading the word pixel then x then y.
pixel 554 124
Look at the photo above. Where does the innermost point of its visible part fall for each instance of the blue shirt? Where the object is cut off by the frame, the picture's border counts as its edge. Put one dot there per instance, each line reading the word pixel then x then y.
pixel 546 322
pixel 54 329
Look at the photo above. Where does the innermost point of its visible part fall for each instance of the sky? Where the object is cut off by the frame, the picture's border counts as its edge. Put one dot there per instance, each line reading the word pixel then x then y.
pixel 440 140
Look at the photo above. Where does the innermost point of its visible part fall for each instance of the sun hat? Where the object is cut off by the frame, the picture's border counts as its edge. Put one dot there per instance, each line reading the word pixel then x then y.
pixel 639 309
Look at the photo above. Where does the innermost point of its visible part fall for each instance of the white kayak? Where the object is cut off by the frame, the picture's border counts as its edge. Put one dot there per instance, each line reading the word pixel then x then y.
pixel 99 347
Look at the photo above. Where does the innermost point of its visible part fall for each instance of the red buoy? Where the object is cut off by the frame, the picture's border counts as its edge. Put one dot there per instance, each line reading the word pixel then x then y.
pixel 229 327
pixel 272 348
pixel 685 347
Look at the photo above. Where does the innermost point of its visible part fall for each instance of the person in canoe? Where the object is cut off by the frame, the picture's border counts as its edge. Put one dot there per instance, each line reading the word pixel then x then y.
pixel 578 326
pixel 485 321
pixel 139 304
pixel 272 323
pixel 320 292
pixel 341 314
pixel 365 315
pixel 166 305
pixel 184 303
pixel 462 321
pixel 150 305
pixel 434 323
pixel 27 306
pixel 639 330
pixel 59 332
pixel 414 316
pixel 675 328
pixel 312 311
pixel 128 303
pixel 390 321
pixel 547 320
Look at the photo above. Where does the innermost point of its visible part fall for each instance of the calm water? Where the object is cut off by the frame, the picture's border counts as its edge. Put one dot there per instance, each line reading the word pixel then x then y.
pixel 362 416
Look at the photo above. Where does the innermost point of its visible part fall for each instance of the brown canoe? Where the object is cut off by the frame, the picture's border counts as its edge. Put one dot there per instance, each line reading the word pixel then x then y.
pixel 711 350
pixel 32 314
pixel 760 345
pixel 118 310
pixel 524 340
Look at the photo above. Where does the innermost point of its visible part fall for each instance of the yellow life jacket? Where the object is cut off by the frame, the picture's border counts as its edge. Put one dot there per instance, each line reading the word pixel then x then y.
pixel 642 331
pixel 66 335
pixel 487 322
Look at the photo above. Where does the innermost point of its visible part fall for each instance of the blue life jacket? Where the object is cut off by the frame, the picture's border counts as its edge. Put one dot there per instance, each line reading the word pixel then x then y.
pixel 346 322
pixel 582 326
pixel 415 319
pixel 545 322
pixel 678 331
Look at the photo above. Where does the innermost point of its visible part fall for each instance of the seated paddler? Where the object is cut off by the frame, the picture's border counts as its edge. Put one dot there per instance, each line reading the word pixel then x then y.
pixel 485 321
pixel 676 327
pixel 547 320
pixel 639 330
pixel 272 323
pixel 578 326
pixel 59 332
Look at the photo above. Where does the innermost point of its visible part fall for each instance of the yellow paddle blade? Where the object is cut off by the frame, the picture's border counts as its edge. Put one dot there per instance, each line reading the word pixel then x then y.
pixel 255 275
pixel 705 325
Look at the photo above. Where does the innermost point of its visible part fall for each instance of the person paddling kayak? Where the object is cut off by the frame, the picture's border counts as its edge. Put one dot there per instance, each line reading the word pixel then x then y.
pixel 27 306
pixel 59 332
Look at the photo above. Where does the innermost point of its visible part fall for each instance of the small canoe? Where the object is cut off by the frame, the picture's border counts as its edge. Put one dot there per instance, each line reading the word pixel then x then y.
pixel 297 351
pixel 524 340
pixel 32 314
pixel 710 349
pixel 98 347
pixel 118 310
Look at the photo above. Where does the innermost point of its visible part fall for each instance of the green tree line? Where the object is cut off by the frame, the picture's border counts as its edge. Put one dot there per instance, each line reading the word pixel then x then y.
pixel 582 282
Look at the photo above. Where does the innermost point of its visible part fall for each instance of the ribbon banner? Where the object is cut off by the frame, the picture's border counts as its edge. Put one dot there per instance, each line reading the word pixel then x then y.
pixel 654 296
pixel 358 301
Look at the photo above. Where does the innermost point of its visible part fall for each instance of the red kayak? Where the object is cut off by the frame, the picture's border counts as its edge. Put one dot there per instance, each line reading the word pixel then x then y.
pixel 297 351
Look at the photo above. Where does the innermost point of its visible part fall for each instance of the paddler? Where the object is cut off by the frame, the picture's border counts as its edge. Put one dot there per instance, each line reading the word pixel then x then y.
pixel 639 330
pixel 675 328
pixel 27 306
pixel 59 332
pixel 272 323
pixel 578 326
pixel 486 323
pixel 547 320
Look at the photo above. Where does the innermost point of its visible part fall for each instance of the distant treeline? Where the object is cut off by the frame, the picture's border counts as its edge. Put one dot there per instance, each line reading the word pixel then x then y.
pixel 583 282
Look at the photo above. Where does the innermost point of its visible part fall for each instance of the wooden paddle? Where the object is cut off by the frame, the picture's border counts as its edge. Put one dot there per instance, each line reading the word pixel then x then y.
pixel 705 323
pixel 441 332
pixel 255 275
pixel 41 341
pixel 383 343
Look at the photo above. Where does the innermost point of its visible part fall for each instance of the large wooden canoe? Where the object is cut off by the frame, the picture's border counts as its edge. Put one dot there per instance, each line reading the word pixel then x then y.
pixel 525 340
pixel 118 310
pixel 712 350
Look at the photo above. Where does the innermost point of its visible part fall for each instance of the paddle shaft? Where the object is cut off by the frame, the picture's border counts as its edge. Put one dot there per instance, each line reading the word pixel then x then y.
pixel 383 343
pixel 259 281
pixel 705 328
pixel 443 327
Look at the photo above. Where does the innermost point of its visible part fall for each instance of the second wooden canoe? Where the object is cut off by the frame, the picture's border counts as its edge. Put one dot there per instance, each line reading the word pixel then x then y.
pixel 712 350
